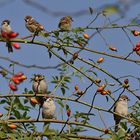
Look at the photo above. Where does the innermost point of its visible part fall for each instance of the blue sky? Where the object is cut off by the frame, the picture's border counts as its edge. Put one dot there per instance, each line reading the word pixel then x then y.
pixel 16 10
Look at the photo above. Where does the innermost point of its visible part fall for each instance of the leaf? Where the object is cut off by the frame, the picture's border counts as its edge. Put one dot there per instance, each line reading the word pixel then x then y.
pixel 79 29
pixel 121 133
pixel 3 101
pixel 115 137
pixel 50 54
pixel 63 90
pixel 10 65
pixel 24 114
pixel 110 9
pixel 67 107
pixel 90 10
pixel 2 135
pixel 17 114
pixel 123 125
pixel 49 131
pixel 60 103
pixel 56 33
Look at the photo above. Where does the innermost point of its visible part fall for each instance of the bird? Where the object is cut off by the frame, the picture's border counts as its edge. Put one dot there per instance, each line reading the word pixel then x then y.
pixel 121 107
pixel 39 85
pixel 48 110
pixel 5 31
pixel 65 23
pixel 32 25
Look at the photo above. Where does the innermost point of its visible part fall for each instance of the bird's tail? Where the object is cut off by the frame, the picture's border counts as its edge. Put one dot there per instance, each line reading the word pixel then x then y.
pixel 9 45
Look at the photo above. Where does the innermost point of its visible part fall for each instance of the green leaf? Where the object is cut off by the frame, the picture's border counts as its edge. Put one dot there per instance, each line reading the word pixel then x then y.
pixel 115 137
pixel 63 90
pixel 2 135
pixel 67 107
pixel 60 103
pixel 3 101
pixel 110 9
pixel 56 33
pixel 17 114
pixel 11 65
pixel 121 133
pixel 123 125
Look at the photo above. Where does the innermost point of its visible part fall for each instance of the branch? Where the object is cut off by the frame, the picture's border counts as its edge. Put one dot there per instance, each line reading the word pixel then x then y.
pixel 53 121
pixel 73 100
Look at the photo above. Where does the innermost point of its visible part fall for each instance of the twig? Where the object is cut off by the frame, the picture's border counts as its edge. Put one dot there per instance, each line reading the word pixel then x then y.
pixel 63 126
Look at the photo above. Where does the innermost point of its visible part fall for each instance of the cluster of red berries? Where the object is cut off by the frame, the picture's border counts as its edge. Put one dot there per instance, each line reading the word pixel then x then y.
pixel 17 79
pixel 9 36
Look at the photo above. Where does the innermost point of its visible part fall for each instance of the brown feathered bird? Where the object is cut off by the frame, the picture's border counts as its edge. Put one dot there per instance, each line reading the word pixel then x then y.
pixel 121 107
pixel 65 23
pixel 32 25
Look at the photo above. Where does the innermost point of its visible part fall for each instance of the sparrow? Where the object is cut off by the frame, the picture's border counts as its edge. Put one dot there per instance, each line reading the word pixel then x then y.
pixel 65 23
pixel 39 83
pixel 121 107
pixel 32 25
pixel 6 30
pixel 39 86
pixel 48 110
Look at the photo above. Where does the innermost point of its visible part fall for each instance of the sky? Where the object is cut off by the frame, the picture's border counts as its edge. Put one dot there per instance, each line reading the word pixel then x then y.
pixel 16 10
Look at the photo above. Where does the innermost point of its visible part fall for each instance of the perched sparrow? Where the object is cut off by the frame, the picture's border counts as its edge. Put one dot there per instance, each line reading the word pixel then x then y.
pixel 48 109
pixel 39 84
pixel 121 107
pixel 6 30
pixel 32 25
pixel 65 23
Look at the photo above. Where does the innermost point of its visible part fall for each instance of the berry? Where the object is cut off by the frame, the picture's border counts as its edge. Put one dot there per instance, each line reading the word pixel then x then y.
pixel 34 100
pixel 113 48
pixel 75 55
pixel 76 87
pixel 15 80
pixel 126 81
pixel 1 114
pixel 16 45
pixel 19 74
pixel 100 60
pixel 13 87
pixel 68 112
pixel 135 33
pixel 86 36
pixel 12 126
pixel 106 131
pixel 101 88
pixel 13 34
